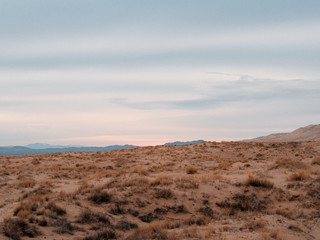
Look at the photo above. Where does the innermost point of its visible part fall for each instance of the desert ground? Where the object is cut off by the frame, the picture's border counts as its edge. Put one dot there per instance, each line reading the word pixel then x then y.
pixel 211 190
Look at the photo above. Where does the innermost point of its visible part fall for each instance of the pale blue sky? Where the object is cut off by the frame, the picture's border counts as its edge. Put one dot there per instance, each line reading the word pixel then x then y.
pixel 148 72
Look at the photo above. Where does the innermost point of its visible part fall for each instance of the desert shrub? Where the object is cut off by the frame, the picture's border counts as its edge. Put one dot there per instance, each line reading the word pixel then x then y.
pixel 62 225
pixel 316 161
pixel 56 209
pixel 26 207
pixel 15 228
pixel 116 210
pixel 299 176
pixel 42 221
pixel 87 216
pixel 257 182
pixel 207 211
pixel 100 197
pixel 191 170
pixel 288 163
pixel 133 212
pixel 125 225
pixel 102 235
pixel 200 221
pixel 178 209
pixel 147 218
pixel 242 202
pixel 163 193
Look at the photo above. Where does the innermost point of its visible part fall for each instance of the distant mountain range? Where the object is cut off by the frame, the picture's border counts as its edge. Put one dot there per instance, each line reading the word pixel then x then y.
pixel 308 133
pixel 45 146
pixel 178 143
pixel 42 148
pixel 24 150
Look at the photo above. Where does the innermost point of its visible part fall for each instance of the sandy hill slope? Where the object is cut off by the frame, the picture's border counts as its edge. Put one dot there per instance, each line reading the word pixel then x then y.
pixel 308 133
pixel 210 190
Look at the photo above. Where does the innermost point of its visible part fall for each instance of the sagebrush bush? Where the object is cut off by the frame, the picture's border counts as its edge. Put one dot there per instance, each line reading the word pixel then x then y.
pixel 14 228
pixel 100 197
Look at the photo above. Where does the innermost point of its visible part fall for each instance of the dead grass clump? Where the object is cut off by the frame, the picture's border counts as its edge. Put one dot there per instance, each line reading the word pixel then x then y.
pixel 267 235
pixel 99 197
pixel 316 161
pixel 39 193
pixel 102 235
pixel 191 233
pixel 161 180
pixel 46 183
pixel 285 212
pixel 163 193
pixel 254 225
pixel 257 182
pixel 27 183
pixel 15 228
pixel 225 165
pixel 140 171
pixel 191 170
pixel 187 182
pixel 299 176
pixel 155 230
pixel 289 164
pixel 139 181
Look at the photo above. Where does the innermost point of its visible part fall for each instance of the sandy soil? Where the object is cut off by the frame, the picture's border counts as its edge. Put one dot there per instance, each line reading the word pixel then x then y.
pixel 228 190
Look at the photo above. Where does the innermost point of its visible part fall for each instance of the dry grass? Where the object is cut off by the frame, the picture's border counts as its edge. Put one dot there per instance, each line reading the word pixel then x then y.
pixel 102 235
pixel 191 170
pixel 258 182
pixel 316 161
pixel 300 175
pixel 289 164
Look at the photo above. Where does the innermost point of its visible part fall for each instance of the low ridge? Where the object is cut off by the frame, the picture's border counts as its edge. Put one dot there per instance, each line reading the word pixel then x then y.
pixel 308 133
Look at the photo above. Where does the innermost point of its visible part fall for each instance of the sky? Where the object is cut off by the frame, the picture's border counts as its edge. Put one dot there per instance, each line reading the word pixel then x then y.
pixel 147 72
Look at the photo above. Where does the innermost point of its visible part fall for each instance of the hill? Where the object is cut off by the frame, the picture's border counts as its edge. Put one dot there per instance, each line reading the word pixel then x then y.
pixel 308 133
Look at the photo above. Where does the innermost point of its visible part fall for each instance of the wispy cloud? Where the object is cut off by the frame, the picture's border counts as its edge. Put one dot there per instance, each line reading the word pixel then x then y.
pixel 246 88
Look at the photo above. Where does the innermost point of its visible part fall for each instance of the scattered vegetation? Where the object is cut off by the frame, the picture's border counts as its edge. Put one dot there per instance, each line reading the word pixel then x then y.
pixel 175 192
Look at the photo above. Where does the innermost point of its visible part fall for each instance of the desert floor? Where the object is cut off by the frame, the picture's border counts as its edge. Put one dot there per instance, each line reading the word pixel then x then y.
pixel 211 190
